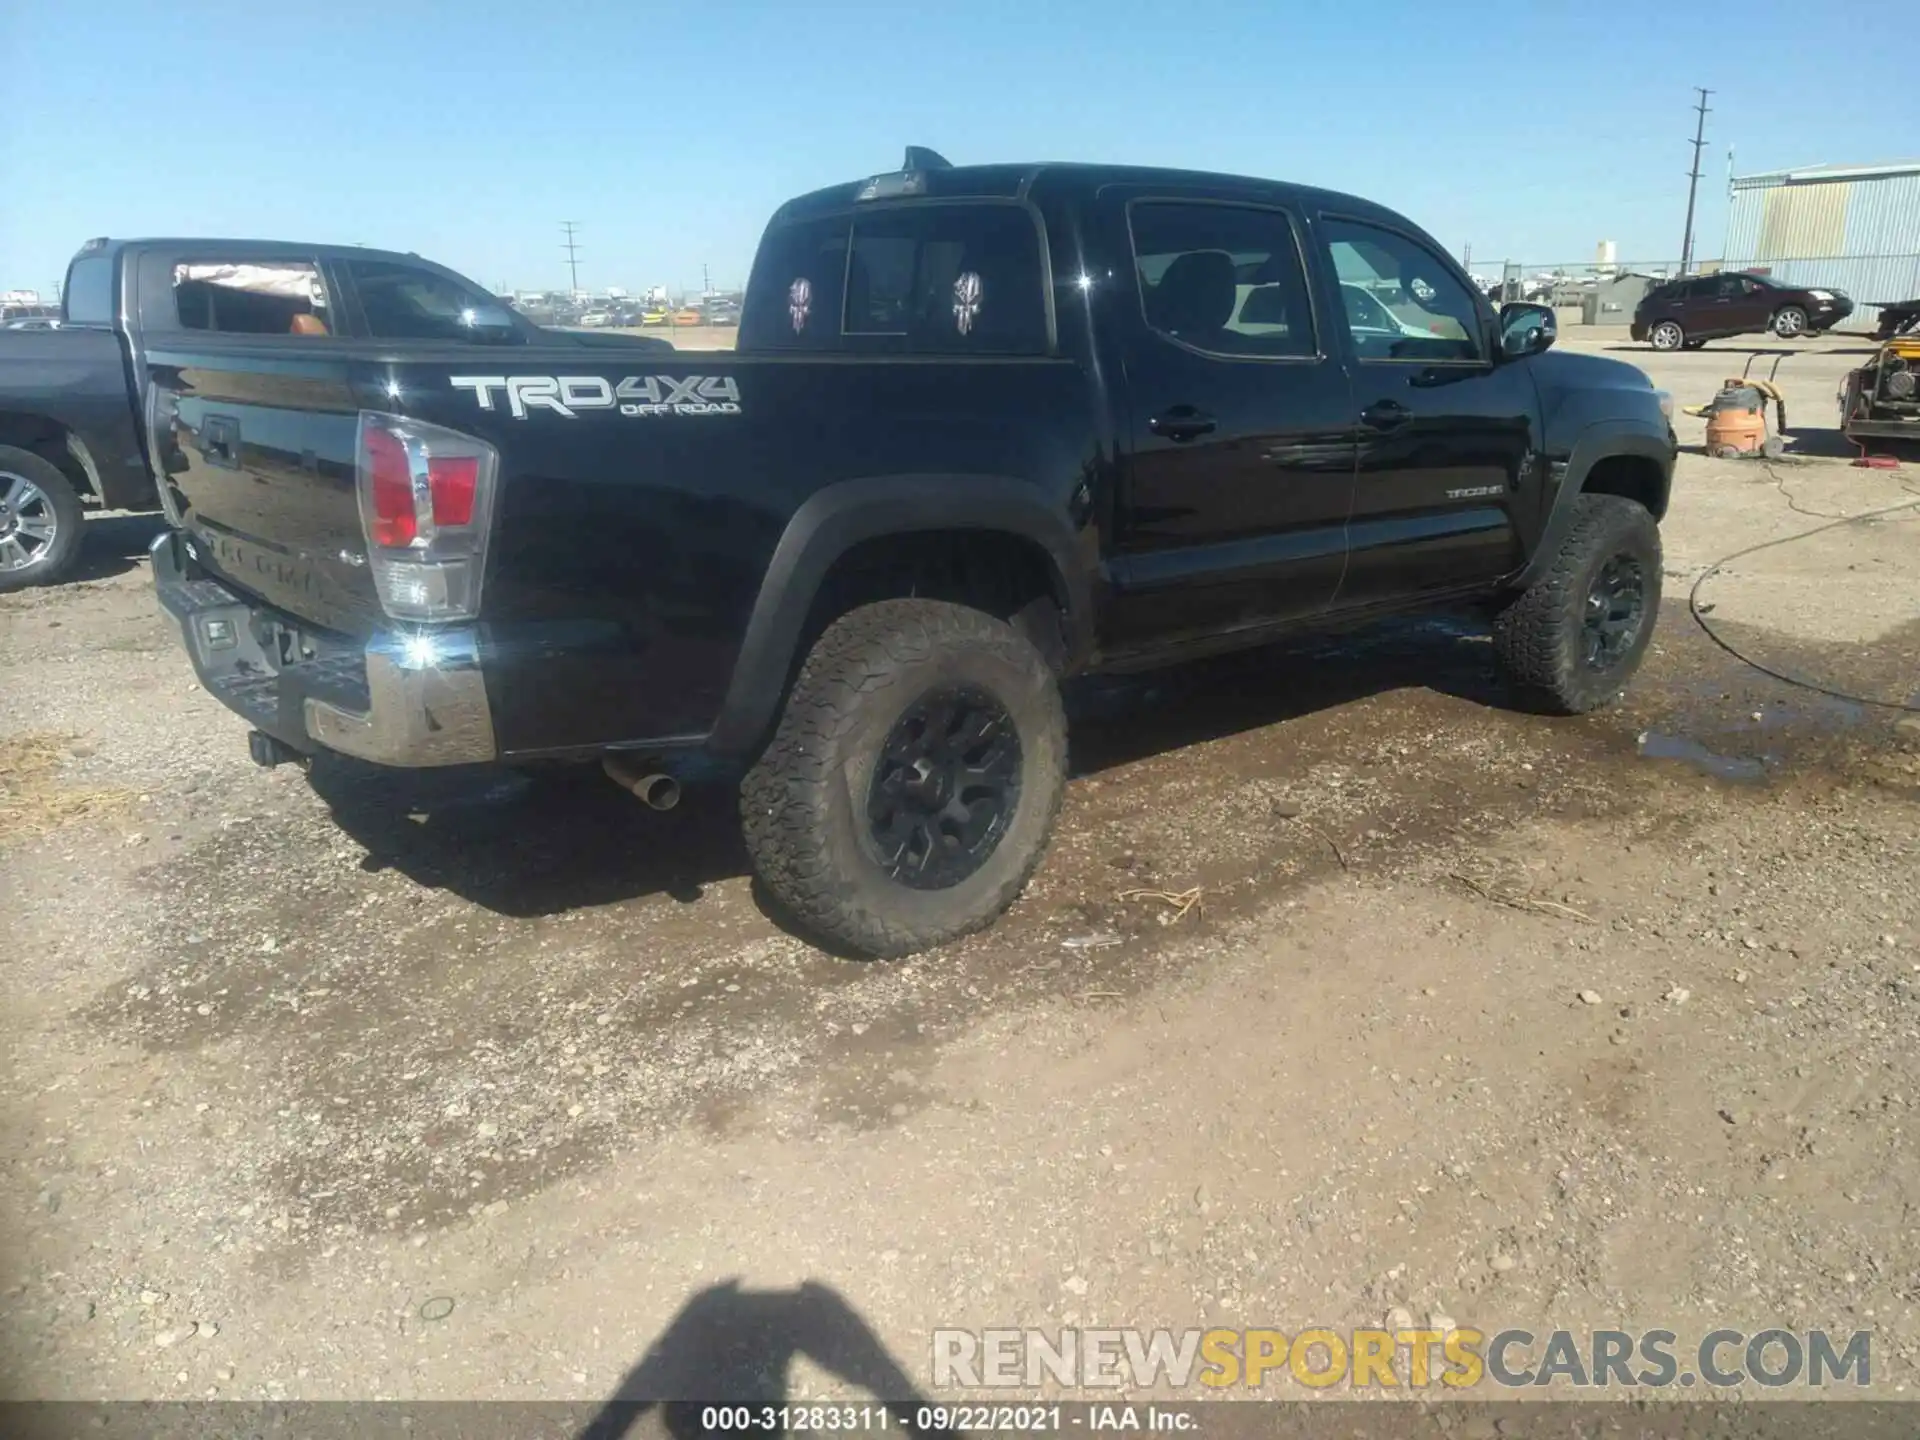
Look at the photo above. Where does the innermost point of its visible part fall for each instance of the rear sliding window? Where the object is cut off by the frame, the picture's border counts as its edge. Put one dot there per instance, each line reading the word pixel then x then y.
pixel 248 298
pixel 916 280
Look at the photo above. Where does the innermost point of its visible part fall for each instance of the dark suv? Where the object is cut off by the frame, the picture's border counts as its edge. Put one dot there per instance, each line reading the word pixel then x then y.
pixel 1685 314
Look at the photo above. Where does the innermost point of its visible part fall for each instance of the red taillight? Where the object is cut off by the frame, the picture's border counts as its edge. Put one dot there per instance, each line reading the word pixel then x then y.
pixel 426 504
pixel 452 480
pixel 392 523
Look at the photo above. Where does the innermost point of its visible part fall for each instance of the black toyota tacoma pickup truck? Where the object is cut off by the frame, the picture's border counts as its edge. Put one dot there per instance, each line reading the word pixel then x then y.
pixel 986 427
pixel 74 400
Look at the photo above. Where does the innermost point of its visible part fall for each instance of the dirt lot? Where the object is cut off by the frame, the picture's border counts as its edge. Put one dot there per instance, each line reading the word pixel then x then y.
pixel 348 1085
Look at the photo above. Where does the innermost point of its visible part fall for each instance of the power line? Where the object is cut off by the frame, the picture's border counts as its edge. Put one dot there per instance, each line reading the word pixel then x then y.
pixel 1693 179
pixel 571 228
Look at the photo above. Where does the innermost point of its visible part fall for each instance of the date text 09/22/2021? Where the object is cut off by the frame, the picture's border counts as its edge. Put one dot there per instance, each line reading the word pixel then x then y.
pixel 937 1419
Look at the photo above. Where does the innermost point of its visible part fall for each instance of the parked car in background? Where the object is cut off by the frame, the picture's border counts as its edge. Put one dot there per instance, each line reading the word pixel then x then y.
pixel 595 319
pixel 34 322
pixel 78 426
pixel 1684 314
pixel 723 312
pixel 689 315
pixel 656 315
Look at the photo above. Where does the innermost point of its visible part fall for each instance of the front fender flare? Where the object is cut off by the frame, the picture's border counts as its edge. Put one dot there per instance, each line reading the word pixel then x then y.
pixel 842 515
pixel 1601 440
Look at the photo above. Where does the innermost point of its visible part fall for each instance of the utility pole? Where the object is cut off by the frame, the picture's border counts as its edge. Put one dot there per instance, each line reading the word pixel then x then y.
pixel 1693 179
pixel 570 228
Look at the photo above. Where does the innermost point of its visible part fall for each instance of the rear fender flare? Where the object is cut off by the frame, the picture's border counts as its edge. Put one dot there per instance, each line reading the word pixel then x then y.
pixel 843 515
pixel 1602 440
pixel 83 457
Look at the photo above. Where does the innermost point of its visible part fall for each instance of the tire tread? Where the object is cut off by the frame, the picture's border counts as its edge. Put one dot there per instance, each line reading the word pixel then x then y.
pixel 784 797
pixel 1534 638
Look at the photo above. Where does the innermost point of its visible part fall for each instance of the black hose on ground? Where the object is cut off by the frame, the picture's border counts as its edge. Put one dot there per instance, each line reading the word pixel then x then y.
pixel 1693 607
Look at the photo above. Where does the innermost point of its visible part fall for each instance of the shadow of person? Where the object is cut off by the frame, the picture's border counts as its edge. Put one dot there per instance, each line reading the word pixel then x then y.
pixel 730 1346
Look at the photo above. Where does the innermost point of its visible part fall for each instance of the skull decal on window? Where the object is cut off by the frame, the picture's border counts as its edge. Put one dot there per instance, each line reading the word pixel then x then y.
pixel 800 303
pixel 966 301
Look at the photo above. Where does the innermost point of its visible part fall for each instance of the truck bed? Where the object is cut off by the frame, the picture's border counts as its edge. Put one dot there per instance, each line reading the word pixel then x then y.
pixel 642 495
pixel 76 378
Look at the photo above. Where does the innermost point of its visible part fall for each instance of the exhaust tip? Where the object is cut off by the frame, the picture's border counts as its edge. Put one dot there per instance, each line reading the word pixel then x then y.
pixel 656 790
pixel 662 792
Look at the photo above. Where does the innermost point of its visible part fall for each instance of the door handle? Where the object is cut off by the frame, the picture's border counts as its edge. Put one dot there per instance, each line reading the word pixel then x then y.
pixel 1181 423
pixel 1385 415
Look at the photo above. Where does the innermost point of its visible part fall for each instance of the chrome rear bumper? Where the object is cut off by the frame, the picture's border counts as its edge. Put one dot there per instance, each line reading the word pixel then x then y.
pixel 409 699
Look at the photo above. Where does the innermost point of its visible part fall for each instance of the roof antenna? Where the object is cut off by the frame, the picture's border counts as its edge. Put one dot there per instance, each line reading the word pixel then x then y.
pixel 921 158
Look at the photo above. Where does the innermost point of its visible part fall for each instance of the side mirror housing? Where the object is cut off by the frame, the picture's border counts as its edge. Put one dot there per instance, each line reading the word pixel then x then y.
pixel 492 321
pixel 1526 330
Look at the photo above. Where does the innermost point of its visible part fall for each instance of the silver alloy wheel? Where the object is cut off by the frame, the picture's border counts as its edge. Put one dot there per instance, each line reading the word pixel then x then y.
pixel 1667 336
pixel 28 522
pixel 1790 321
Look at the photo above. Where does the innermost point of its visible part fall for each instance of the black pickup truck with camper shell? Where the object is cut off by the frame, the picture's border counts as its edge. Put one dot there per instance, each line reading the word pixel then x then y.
pixel 74 399
pixel 985 428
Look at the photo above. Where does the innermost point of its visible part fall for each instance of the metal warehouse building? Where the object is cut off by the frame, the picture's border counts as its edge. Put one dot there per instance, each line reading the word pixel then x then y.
pixel 1849 227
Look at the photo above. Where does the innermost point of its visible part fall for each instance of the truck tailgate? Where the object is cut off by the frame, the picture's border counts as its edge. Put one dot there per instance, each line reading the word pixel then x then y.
pixel 257 447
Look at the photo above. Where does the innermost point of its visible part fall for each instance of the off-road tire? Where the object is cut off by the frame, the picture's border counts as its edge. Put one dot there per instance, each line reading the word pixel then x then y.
pixel 1787 328
pixel 803 805
pixel 1667 335
pixel 59 557
pixel 1538 639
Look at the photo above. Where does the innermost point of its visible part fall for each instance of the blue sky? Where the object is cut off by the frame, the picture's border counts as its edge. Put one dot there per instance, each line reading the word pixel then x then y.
pixel 468 131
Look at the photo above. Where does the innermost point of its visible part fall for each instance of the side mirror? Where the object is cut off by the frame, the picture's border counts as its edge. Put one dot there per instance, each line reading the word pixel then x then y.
pixel 487 320
pixel 1526 329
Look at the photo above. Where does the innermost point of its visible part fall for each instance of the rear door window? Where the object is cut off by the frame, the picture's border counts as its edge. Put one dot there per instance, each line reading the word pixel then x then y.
pixel 1226 279
pixel 245 297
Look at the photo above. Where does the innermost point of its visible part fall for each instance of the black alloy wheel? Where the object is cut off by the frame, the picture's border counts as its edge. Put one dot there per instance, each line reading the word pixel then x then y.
pixel 945 789
pixel 1616 607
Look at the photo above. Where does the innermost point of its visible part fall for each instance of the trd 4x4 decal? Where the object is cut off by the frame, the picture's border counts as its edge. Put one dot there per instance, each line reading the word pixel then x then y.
pixel 568 395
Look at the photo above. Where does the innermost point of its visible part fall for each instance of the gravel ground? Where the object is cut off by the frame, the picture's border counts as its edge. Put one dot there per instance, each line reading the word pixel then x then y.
pixel 444 1086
